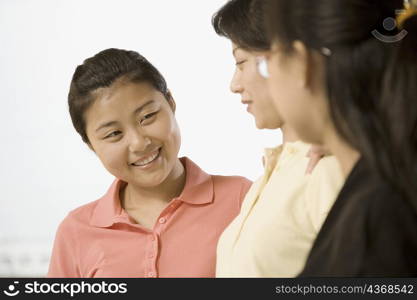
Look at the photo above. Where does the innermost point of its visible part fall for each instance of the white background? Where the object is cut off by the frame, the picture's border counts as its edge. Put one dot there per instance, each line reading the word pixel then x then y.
pixel 46 170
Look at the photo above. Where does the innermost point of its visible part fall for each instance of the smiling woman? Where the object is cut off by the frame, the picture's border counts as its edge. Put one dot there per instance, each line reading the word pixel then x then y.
pixel 163 215
pixel 138 118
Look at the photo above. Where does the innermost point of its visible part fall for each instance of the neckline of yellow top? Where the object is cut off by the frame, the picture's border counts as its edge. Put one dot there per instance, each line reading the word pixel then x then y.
pixel 272 155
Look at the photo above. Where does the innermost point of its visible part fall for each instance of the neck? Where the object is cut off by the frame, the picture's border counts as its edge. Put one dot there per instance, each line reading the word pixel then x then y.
pixel 345 154
pixel 170 188
pixel 288 134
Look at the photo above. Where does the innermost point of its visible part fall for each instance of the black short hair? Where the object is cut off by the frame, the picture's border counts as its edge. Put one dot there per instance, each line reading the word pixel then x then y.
pixel 242 21
pixel 102 70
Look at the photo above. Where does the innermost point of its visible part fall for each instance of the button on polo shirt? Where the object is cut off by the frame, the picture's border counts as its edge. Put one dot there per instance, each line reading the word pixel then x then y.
pixel 101 240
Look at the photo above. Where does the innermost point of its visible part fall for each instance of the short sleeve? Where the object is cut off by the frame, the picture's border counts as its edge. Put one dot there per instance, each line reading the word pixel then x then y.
pixel 322 190
pixel 64 257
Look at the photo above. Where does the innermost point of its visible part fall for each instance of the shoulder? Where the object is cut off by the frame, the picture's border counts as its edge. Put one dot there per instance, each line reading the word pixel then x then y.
pixel 83 212
pixel 322 188
pixel 231 182
pixel 231 179
pixel 328 166
pixel 375 196
pixel 377 207
pixel 388 222
pixel 219 181
pixel 384 204
pixel 78 217
pixel 235 187
pixel 327 177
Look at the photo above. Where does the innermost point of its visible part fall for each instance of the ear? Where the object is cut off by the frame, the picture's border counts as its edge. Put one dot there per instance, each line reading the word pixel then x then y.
pixel 171 102
pixel 302 64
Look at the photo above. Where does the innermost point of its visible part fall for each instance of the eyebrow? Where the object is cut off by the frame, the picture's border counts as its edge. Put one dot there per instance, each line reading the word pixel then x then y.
pixel 137 110
pixel 234 50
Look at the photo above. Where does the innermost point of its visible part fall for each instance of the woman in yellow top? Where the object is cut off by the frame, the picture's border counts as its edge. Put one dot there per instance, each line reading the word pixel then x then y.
pixel 284 210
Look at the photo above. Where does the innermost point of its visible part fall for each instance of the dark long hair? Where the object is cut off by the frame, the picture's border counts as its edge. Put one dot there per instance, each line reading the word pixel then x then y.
pixel 371 82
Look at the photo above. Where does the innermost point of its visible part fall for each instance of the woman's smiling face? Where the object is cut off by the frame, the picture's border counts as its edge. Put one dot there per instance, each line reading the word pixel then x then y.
pixel 253 89
pixel 132 129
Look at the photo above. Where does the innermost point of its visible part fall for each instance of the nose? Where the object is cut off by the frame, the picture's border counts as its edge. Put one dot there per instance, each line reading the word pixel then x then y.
pixel 138 142
pixel 235 85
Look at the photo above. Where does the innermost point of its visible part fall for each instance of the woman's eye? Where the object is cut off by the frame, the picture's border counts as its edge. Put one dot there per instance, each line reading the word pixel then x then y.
pixel 113 134
pixel 240 62
pixel 148 117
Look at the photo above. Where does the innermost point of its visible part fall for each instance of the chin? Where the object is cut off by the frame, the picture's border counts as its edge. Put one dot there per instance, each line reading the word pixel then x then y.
pixel 150 182
pixel 151 179
pixel 266 125
pixel 260 124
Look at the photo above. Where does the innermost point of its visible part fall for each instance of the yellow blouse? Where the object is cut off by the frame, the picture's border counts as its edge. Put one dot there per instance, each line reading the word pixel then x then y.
pixel 280 217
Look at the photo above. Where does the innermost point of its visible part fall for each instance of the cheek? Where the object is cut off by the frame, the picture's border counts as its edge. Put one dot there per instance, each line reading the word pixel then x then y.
pixel 174 137
pixel 264 104
pixel 250 80
pixel 301 118
pixel 113 158
pixel 318 119
pixel 290 101
pixel 282 93
pixel 257 88
pixel 300 112
pixel 166 131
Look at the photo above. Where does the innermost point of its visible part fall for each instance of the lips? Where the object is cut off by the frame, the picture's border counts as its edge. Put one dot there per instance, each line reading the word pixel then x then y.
pixel 248 103
pixel 147 159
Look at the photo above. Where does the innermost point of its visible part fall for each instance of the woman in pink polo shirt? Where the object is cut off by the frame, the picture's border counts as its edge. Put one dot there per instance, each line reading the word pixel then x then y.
pixel 163 215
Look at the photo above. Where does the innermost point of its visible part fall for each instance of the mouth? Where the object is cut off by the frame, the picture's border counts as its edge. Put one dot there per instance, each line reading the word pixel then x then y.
pixel 246 102
pixel 147 159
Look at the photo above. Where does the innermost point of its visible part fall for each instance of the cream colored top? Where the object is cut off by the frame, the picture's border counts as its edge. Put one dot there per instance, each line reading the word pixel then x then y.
pixel 280 216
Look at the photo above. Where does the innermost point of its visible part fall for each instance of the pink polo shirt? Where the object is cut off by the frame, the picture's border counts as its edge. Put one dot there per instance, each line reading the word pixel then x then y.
pixel 100 240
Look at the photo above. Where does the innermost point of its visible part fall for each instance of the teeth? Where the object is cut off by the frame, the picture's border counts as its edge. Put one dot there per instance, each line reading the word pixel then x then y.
pixel 146 160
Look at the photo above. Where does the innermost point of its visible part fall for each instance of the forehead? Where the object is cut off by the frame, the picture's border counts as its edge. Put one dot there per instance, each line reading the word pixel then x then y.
pixel 238 50
pixel 122 91
pixel 121 99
